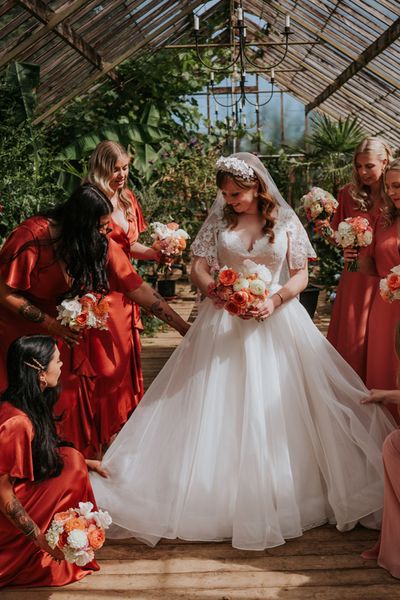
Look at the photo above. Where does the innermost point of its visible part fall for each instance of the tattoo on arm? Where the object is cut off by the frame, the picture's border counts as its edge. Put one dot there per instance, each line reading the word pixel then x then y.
pixel 20 518
pixel 33 313
pixel 159 311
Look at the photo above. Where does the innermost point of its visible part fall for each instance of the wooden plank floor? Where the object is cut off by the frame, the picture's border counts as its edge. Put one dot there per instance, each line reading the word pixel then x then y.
pixel 321 565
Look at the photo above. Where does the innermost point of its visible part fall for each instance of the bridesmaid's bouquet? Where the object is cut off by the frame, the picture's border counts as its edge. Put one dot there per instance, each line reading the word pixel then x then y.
pixel 84 312
pixel 389 286
pixel 240 291
pixel 354 232
pixel 319 207
pixel 169 239
pixel 78 533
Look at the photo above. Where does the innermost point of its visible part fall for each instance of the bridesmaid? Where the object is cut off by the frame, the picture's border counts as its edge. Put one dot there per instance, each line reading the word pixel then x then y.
pixel 60 254
pixel 382 361
pixel 39 476
pixel 363 197
pixel 120 388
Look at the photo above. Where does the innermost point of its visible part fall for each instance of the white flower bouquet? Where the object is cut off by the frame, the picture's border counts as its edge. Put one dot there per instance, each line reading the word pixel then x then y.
pixel 319 207
pixel 88 311
pixel 354 232
pixel 78 532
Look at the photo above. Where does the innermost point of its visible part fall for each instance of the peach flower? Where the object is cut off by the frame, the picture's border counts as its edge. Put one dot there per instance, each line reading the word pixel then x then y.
pixel 96 538
pixel 75 523
pixel 233 308
pixel 227 276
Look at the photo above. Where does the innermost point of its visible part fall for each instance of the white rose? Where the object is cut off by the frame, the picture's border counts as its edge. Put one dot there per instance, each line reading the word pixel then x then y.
pixel 102 519
pixel 257 287
pixel 316 209
pixel 367 237
pixel 73 307
pixel 69 554
pixel 83 557
pixel 77 539
pixel 264 273
pixel 396 270
pixel 240 284
pixel 85 509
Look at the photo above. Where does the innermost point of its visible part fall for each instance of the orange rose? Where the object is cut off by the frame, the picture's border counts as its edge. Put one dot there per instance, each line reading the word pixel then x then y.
pixel 81 319
pixel 181 244
pixel 393 282
pixel 75 523
pixel 101 308
pixel 227 276
pixel 174 226
pixel 241 298
pixel 233 308
pixel 62 516
pixel 96 538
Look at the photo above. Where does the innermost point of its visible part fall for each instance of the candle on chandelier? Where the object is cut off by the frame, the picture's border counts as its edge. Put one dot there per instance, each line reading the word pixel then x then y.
pixel 196 22
pixel 287 21
pixel 240 13
pixel 212 76
pixel 272 74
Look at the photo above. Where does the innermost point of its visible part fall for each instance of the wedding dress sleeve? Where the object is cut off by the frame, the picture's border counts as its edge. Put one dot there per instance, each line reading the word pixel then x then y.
pixel 299 247
pixel 205 243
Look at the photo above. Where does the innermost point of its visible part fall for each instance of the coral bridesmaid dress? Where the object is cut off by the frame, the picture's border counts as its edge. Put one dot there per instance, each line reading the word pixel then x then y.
pixel 349 322
pixel 382 362
pixel 21 562
pixel 120 386
pixel 37 275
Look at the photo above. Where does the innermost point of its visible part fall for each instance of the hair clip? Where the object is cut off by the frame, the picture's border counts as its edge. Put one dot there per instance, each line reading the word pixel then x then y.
pixel 235 166
pixel 37 366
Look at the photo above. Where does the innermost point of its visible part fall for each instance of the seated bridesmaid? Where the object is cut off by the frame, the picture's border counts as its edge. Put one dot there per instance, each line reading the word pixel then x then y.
pixel 38 475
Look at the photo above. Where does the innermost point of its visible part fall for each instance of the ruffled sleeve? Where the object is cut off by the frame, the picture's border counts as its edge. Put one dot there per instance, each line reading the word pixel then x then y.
pixel 205 243
pixel 16 434
pixel 121 274
pixel 140 221
pixel 299 246
pixel 16 270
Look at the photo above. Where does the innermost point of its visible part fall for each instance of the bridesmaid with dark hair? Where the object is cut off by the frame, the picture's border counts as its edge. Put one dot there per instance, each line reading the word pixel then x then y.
pixel 39 475
pixel 363 198
pixel 57 255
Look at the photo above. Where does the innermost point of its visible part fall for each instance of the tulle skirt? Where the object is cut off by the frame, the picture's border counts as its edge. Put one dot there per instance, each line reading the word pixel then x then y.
pixel 252 431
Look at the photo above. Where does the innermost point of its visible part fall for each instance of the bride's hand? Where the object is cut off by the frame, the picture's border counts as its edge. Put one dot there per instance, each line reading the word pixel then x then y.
pixel 383 396
pixel 262 312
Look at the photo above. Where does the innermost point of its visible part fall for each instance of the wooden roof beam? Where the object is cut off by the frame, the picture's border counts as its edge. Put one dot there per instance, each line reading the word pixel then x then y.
pixel 24 44
pixel 379 45
pixel 43 13
pixel 87 84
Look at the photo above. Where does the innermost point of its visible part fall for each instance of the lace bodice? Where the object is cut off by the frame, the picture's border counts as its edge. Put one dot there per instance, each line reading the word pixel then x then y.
pixel 222 246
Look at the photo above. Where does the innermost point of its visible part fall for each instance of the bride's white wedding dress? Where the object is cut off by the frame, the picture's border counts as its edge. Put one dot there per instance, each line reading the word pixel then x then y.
pixel 252 431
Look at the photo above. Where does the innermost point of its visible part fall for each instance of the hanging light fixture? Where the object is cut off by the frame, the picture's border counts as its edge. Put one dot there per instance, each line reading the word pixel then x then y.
pixel 240 60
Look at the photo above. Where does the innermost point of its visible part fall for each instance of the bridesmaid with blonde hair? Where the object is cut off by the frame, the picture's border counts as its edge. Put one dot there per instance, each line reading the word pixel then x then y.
pixel 120 388
pixel 364 198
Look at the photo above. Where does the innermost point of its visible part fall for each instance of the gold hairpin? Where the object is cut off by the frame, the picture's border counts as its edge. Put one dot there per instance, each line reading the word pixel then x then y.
pixel 37 366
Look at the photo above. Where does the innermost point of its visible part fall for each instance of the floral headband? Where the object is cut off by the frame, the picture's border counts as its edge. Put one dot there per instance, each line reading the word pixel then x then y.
pixel 235 166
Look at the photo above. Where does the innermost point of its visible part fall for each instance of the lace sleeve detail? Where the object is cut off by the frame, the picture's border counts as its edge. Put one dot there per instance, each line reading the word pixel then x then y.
pixel 299 247
pixel 205 243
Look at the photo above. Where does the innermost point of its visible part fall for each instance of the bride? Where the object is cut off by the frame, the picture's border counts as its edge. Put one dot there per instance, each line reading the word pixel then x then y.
pixel 253 430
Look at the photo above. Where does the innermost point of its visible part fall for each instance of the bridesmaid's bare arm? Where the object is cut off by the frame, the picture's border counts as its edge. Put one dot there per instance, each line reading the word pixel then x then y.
pixel 15 302
pixel 13 510
pixel 147 297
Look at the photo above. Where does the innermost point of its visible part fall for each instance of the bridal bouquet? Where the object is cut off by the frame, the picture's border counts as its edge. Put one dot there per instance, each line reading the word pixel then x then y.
pixel 78 532
pixel 389 286
pixel 83 312
pixel 169 239
pixel 240 291
pixel 319 206
pixel 354 232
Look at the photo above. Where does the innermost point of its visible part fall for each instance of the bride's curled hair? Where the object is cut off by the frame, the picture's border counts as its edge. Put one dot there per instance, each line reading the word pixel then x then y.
pixel 265 202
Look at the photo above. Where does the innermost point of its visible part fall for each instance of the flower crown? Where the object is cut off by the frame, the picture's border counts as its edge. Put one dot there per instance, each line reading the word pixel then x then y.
pixel 235 166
